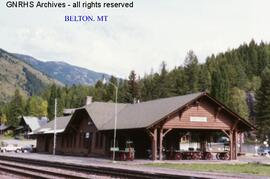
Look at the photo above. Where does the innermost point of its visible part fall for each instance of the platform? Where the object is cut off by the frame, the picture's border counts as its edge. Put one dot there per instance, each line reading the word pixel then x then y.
pixel 97 162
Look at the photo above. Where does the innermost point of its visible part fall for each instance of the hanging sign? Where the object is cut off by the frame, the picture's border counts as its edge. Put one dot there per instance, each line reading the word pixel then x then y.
pixel 198 119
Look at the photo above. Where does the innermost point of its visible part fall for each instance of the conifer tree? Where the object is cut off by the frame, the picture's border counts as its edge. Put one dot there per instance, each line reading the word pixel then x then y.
pixel 263 105
pixel 132 92
pixel 191 71
pixel 51 101
pixel 15 109
pixel 220 85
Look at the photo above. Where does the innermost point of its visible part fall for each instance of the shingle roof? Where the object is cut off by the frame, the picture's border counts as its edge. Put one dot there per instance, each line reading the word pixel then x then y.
pixel 4 127
pixel 34 122
pixel 101 112
pixel 61 124
pixel 144 114
pixel 130 116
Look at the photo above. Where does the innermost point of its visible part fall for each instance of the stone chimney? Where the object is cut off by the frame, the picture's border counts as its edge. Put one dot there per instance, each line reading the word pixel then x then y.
pixel 88 100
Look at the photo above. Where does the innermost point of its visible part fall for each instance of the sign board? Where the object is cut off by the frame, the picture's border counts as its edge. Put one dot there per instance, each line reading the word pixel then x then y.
pixel 115 149
pixel 198 119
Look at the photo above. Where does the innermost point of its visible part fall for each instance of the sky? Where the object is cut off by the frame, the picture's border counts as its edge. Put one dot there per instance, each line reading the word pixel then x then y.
pixel 135 39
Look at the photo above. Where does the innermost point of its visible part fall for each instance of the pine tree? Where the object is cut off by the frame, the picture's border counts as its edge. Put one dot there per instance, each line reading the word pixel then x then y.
pixel 220 85
pixel 15 109
pixel 177 82
pixel 51 101
pixel 147 87
pixel 204 79
pixel 99 92
pixel 132 92
pixel 191 71
pixel 161 83
pixel 110 89
pixel 262 106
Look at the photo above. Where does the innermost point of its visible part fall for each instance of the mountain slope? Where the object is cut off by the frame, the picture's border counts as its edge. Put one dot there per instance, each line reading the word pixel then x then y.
pixel 15 74
pixel 66 73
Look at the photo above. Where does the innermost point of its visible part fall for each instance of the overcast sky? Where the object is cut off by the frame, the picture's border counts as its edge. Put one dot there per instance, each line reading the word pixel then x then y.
pixel 135 39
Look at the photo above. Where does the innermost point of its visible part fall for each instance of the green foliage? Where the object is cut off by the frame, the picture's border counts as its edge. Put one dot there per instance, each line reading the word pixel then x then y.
pixel 263 105
pixel 204 79
pixel 3 118
pixel 9 133
pixel 15 109
pixel 220 85
pixel 36 106
pixel 237 102
pixel 227 76
pixel 132 90
pixel 191 69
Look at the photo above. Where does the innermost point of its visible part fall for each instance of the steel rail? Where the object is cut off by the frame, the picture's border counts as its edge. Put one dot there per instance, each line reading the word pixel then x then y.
pixel 30 171
pixel 98 170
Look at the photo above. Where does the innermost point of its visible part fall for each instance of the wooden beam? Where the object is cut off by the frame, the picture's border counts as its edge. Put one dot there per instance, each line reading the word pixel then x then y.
pixel 180 115
pixel 154 145
pixel 151 134
pixel 225 133
pixel 164 134
pixel 160 143
pixel 235 124
pixel 197 104
pixel 234 145
pixel 240 141
pixel 217 112
pixel 231 145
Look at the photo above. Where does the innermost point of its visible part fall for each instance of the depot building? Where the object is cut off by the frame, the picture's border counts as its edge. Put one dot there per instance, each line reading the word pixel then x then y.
pixel 177 124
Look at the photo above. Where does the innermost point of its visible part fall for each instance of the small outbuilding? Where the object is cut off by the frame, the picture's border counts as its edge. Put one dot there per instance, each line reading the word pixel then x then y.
pixel 4 128
pixel 29 123
pixel 157 128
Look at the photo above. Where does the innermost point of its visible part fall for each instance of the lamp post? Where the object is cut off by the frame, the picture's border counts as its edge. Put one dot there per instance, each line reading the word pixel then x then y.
pixel 115 117
pixel 54 133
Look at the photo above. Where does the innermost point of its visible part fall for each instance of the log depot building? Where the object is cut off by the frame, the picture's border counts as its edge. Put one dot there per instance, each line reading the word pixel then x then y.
pixel 153 126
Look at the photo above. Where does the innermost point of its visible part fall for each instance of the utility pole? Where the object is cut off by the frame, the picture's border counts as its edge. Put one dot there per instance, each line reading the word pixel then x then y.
pixel 54 136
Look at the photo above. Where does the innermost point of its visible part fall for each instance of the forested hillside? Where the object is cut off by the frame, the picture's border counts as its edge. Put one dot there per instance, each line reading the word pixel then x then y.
pixel 15 74
pixel 234 77
pixel 64 72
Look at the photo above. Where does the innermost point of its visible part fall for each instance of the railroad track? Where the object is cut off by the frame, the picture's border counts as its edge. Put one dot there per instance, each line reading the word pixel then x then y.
pixel 31 171
pixel 33 168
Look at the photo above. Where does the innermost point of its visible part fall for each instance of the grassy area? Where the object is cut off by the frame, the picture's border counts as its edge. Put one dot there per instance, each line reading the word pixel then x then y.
pixel 258 169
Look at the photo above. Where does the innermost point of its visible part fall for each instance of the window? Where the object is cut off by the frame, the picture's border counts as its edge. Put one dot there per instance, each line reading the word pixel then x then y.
pixel 86 140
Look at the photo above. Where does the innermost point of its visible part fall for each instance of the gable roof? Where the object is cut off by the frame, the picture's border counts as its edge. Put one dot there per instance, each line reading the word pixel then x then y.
pixel 34 122
pixel 102 113
pixel 61 124
pixel 144 114
pixel 131 116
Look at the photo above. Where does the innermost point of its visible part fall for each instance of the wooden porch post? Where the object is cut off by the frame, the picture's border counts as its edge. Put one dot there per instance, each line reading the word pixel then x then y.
pixel 160 143
pixel 231 145
pixel 240 141
pixel 154 145
pixel 235 144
